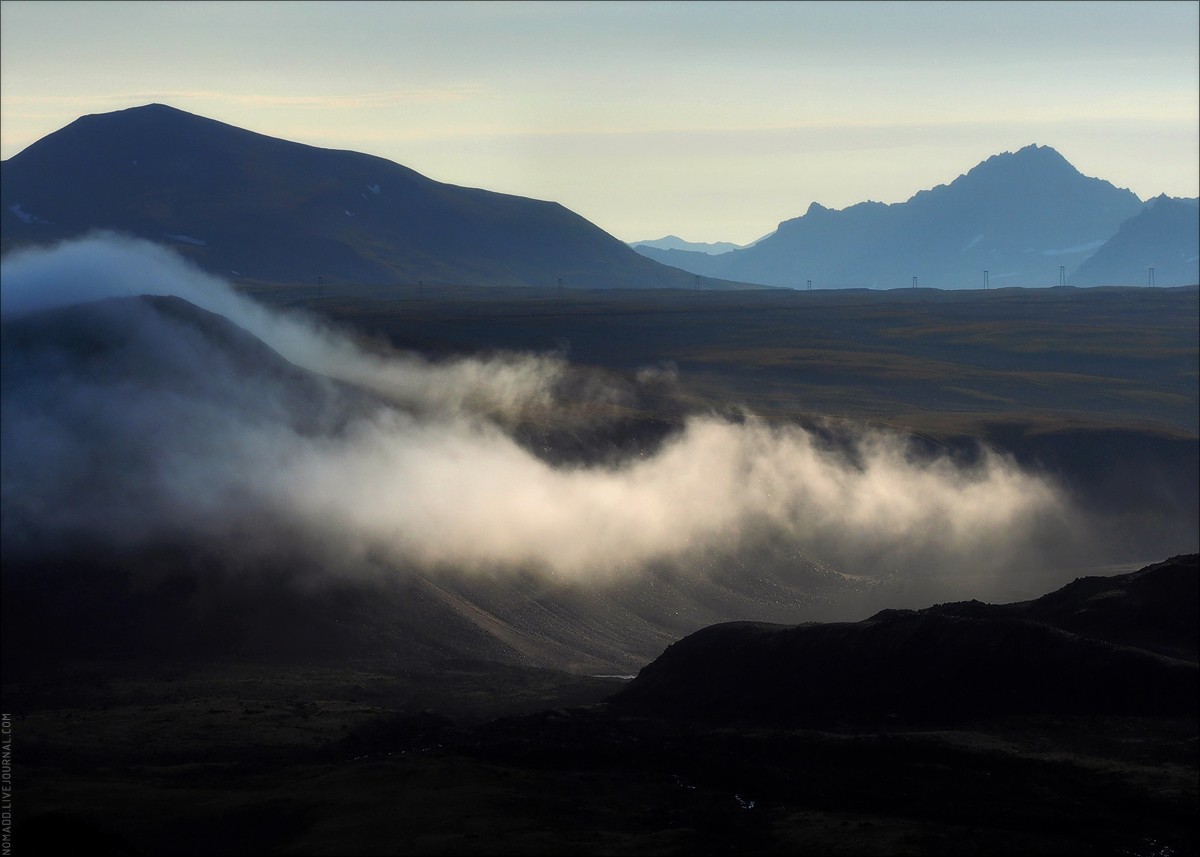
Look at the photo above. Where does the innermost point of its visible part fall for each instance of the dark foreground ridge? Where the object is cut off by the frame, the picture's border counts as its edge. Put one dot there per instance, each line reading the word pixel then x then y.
pixel 344 756
pixel 1117 645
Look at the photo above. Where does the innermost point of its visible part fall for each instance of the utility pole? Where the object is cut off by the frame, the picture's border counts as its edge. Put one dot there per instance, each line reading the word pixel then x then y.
pixel 1150 278
pixel 810 285
pixel 985 281
pixel 914 282
pixel 1062 275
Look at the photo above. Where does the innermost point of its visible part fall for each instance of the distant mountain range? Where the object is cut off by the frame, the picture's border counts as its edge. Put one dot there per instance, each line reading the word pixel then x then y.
pixel 1027 218
pixel 674 242
pixel 249 206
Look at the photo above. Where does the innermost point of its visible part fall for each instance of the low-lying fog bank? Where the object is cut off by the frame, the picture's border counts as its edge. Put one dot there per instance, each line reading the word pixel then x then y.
pixel 199 416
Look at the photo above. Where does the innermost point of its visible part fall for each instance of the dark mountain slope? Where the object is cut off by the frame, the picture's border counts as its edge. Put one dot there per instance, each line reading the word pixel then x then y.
pixel 1017 215
pixel 154 361
pixel 134 518
pixel 1155 608
pixel 947 661
pixel 246 205
pixel 1165 236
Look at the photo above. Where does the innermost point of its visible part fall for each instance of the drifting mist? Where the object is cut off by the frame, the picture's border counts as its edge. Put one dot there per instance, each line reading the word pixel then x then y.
pixel 129 421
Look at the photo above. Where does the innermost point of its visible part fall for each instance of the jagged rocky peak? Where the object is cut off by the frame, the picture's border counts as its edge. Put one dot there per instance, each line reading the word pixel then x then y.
pixel 1030 160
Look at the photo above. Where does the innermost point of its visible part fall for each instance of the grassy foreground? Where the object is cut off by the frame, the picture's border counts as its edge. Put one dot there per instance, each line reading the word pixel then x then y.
pixel 344 759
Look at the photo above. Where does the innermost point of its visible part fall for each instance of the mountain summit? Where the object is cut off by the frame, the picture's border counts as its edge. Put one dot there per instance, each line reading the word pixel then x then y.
pixel 246 205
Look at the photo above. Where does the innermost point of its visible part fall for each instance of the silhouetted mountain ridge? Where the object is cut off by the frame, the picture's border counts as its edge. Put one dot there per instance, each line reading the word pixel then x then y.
pixel 246 205
pixel 1020 216
pixel 1074 650
pixel 1164 236
pixel 674 242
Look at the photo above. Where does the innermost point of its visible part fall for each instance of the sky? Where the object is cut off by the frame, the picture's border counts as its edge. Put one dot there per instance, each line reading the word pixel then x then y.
pixel 712 121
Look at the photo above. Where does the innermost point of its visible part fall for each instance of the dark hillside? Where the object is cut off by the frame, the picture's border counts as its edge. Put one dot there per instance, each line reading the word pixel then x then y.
pixel 1154 609
pixel 946 662
pixel 115 544
pixel 248 206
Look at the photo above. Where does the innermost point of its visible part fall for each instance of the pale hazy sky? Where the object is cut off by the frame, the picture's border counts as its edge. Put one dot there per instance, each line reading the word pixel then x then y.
pixel 709 120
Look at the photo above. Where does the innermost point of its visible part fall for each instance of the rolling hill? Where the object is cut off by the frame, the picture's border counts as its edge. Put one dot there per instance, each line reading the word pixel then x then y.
pixel 247 206
pixel 1122 644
